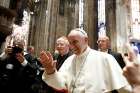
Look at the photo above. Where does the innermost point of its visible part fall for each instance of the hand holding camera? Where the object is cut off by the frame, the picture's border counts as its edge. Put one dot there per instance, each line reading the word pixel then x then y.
pixel 12 50
pixel 8 50
pixel 15 51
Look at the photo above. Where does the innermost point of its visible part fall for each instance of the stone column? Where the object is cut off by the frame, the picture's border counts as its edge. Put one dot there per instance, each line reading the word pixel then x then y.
pixel 52 23
pixel 5 3
pixel 110 10
pixel 69 19
pixel 61 28
pixel 122 23
pixel 90 21
pixel 38 33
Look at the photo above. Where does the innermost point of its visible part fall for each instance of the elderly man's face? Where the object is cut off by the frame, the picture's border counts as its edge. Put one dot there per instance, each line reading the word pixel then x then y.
pixel 77 43
pixel 62 46
pixel 103 44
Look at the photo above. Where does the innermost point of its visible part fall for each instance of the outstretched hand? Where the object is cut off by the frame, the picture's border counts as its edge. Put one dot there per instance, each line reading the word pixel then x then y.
pixel 47 61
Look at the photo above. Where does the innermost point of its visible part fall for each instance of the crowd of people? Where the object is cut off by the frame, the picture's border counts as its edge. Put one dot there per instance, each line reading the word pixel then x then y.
pixel 73 68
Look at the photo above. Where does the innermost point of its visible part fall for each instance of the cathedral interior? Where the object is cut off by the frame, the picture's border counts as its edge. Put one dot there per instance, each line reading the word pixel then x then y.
pixel 41 22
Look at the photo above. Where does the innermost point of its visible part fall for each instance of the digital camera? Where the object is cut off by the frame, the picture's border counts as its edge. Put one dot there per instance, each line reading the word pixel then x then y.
pixel 16 49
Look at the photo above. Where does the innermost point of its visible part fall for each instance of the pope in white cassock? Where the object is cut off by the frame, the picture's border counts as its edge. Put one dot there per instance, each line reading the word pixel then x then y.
pixel 86 71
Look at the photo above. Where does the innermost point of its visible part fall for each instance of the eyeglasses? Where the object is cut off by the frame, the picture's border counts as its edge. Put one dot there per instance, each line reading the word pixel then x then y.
pixel 101 41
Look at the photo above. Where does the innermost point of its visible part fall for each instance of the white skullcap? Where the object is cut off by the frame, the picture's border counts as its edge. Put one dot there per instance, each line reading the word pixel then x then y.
pixel 83 32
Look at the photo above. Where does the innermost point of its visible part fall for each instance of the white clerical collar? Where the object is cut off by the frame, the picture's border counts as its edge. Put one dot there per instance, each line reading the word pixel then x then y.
pixel 103 51
pixel 84 53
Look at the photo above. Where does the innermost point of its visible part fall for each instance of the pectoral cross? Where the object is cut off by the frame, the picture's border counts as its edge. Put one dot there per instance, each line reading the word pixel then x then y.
pixel 73 87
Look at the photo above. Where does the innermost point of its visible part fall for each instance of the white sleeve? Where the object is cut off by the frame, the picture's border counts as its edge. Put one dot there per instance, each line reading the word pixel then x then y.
pixel 3 55
pixel 126 89
pixel 24 62
pixel 55 80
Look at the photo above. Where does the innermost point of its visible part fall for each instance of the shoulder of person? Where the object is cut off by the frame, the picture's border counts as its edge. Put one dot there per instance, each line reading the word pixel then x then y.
pixel 113 52
pixel 71 57
pixel 100 53
pixel 106 55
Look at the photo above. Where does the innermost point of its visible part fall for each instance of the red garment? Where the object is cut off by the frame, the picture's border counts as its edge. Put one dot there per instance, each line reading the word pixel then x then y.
pixel 61 91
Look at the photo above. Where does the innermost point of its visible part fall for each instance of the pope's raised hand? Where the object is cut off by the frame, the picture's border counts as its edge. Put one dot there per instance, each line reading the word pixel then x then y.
pixel 47 61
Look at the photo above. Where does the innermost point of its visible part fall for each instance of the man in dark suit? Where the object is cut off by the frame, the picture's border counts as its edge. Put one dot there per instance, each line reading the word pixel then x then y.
pixel 104 46
pixel 16 73
pixel 62 47
pixel 29 56
pixel 118 57
pixel 38 85
pixel 30 53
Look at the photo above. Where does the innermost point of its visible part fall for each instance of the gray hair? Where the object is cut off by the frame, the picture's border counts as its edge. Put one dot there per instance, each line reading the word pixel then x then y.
pixel 64 38
pixel 83 32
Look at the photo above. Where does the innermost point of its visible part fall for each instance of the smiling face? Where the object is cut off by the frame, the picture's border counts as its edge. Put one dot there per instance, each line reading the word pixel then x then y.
pixel 103 43
pixel 62 45
pixel 78 41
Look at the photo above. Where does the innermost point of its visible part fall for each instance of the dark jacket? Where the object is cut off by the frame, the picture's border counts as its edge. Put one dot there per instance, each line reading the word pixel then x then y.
pixel 15 78
pixel 118 57
pixel 60 60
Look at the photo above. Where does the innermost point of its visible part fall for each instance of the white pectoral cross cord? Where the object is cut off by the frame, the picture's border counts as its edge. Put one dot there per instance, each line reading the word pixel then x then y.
pixel 78 65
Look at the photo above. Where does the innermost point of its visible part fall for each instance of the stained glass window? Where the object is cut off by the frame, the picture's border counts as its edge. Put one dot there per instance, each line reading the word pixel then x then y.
pixel 101 18
pixel 81 5
pixel 135 12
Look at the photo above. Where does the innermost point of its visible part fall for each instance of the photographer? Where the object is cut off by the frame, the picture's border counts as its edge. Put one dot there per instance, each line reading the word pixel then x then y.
pixel 16 73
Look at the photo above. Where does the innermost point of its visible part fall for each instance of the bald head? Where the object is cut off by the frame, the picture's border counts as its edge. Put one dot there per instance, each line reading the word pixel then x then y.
pixel 103 38
pixel 103 43
pixel 62 45
pixel 64 39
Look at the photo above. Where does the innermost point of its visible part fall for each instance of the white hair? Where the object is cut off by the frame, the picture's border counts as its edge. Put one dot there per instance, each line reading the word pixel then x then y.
pixel 63 38
pixel 83 32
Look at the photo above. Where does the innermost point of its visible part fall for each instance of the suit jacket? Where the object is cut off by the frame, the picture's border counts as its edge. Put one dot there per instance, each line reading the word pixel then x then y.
pixel 118 57
pixel 60 60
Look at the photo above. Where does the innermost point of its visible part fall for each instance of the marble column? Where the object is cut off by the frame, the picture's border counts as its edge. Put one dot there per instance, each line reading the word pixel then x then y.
pixel 52 23
pixel 122 23
pixel 38 35
pixel 110 10
pixel 90 21
pixel 5 3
